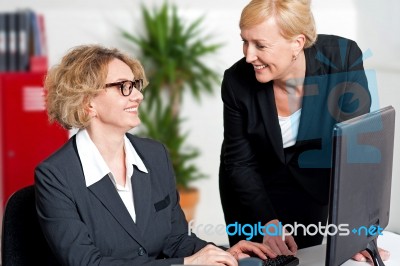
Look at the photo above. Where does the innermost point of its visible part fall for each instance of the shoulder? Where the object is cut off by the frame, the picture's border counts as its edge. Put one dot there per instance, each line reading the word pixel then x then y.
pixel 239 80
pixel 155 157
pixel 331 54
pixel 325 39
pixel 239 70
pixel 148 149
pixel 147 144
pixel 333 44
pixel 61 167
pixel 65 155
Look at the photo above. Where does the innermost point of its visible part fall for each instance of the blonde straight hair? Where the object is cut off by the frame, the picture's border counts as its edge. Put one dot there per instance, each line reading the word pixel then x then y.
pixel 293 17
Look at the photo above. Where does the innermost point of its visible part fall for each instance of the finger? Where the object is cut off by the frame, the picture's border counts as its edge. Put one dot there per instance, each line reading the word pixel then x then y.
pixel 214 257
pixel 256 250
pixel 291 244
pixel 266 250
pixel 217 264
pixel 213 251
pixel 284 248
pixel 366 255
pixel 226 259
pixel 359 257
pixel 274 247
pixel 234 254
pixel 248 247
pixel 242 256
pixel 253 247
pixel 385 254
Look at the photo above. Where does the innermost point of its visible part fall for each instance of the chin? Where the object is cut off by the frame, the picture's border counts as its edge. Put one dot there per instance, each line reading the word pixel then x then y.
pixel 135 124
pixel 263 78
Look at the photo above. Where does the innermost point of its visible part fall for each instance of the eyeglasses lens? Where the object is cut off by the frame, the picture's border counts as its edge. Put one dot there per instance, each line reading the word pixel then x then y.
pixel 126 88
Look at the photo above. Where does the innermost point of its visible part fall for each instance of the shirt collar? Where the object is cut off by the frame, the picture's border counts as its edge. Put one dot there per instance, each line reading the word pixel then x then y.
pixel 93 164
pixel 132 157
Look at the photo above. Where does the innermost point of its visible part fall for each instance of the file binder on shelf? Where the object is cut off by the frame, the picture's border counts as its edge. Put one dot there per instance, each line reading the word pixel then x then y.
pixel 22 42
pixel 11 42
pixel 3 44
pixel 23 17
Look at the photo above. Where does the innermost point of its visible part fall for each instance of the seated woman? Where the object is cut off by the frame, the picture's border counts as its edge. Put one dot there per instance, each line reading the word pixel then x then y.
pixel 107 197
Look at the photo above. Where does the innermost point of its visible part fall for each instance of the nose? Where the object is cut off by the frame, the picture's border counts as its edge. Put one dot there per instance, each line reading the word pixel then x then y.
pixel 250 53
pixel 136 96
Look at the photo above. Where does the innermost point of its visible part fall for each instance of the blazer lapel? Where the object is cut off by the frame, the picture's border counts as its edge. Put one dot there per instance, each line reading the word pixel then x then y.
pixel 105 192
pixel 266 102
pixel 141 187
pixel 309 106
pixel 312 92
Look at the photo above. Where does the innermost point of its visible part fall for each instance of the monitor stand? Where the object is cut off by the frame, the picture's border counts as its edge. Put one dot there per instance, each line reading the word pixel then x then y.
pixel 372 249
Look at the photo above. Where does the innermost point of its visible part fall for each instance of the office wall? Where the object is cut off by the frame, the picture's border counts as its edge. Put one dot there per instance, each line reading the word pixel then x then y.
pixel 372 23
pixel 377 24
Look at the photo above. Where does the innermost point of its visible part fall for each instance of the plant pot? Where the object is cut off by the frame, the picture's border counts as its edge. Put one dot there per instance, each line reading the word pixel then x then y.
pixel 189 197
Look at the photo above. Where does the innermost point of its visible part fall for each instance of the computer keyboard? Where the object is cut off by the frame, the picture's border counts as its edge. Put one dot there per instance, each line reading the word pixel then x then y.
pixel 280 260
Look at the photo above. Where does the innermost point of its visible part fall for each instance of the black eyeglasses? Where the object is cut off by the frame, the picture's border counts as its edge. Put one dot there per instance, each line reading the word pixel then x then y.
pixel 126 86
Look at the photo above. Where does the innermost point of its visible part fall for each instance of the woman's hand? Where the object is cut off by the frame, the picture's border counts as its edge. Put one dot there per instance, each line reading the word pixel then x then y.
pixel 281 247
pixel 211 255
pixel 245 249
pixel 365 256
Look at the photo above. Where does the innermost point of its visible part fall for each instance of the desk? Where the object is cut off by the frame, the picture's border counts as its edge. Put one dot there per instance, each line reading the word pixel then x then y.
pixel 315 256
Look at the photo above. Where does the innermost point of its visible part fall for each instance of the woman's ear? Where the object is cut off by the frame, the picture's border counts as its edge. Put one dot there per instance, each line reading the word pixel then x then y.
pixel 91 109
pixel 298 44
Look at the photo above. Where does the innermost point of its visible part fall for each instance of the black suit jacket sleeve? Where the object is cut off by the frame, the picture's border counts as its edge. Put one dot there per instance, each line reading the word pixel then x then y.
pixel 240 161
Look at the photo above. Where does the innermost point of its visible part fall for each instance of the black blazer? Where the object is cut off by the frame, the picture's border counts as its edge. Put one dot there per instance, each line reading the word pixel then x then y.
pixel 91 225
pixel 253 156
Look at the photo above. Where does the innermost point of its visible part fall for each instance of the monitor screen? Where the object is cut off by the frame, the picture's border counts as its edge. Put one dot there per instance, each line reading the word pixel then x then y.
pixel 360 185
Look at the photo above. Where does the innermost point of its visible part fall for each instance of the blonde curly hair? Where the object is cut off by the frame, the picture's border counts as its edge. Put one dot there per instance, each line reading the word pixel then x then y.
pixel 77 79
pixel 292 16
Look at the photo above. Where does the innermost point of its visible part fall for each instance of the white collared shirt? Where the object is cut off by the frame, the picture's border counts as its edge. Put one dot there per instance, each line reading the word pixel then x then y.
pixel 290 128
pixel 95 168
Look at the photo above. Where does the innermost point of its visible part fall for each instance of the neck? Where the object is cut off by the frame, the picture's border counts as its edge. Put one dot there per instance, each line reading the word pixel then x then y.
pixel 110 146
pixel 293 81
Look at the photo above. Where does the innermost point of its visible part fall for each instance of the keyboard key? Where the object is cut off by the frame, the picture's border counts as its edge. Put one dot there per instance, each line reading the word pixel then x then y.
pixel 280 260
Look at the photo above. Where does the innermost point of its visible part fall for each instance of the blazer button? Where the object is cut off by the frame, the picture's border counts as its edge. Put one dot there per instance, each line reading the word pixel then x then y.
pixel 141 251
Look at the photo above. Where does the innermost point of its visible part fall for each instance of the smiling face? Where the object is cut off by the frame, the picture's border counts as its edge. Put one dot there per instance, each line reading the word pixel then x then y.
pixel 110 110
pixel 269 52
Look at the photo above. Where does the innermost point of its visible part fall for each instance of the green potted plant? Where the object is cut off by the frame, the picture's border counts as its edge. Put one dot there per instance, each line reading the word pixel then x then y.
pixel 172 53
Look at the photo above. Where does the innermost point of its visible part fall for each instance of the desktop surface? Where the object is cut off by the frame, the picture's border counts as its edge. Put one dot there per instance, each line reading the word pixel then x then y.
pixel 315 256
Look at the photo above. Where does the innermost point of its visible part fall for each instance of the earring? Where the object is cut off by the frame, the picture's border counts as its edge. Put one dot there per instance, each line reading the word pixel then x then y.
pixel 294 58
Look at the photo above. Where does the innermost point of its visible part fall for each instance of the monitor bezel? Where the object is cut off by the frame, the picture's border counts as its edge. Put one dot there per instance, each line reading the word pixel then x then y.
pixel 364 123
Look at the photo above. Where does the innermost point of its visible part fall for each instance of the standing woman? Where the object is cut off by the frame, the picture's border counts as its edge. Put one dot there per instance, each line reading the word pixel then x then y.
pixel 107 197
pixel 280 104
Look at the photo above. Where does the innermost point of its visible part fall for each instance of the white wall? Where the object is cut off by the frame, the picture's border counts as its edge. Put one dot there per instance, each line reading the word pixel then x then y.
pixel 372 23
pixel 377 25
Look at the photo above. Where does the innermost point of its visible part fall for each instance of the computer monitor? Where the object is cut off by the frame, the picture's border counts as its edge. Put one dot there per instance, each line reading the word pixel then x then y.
pixel 360 185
